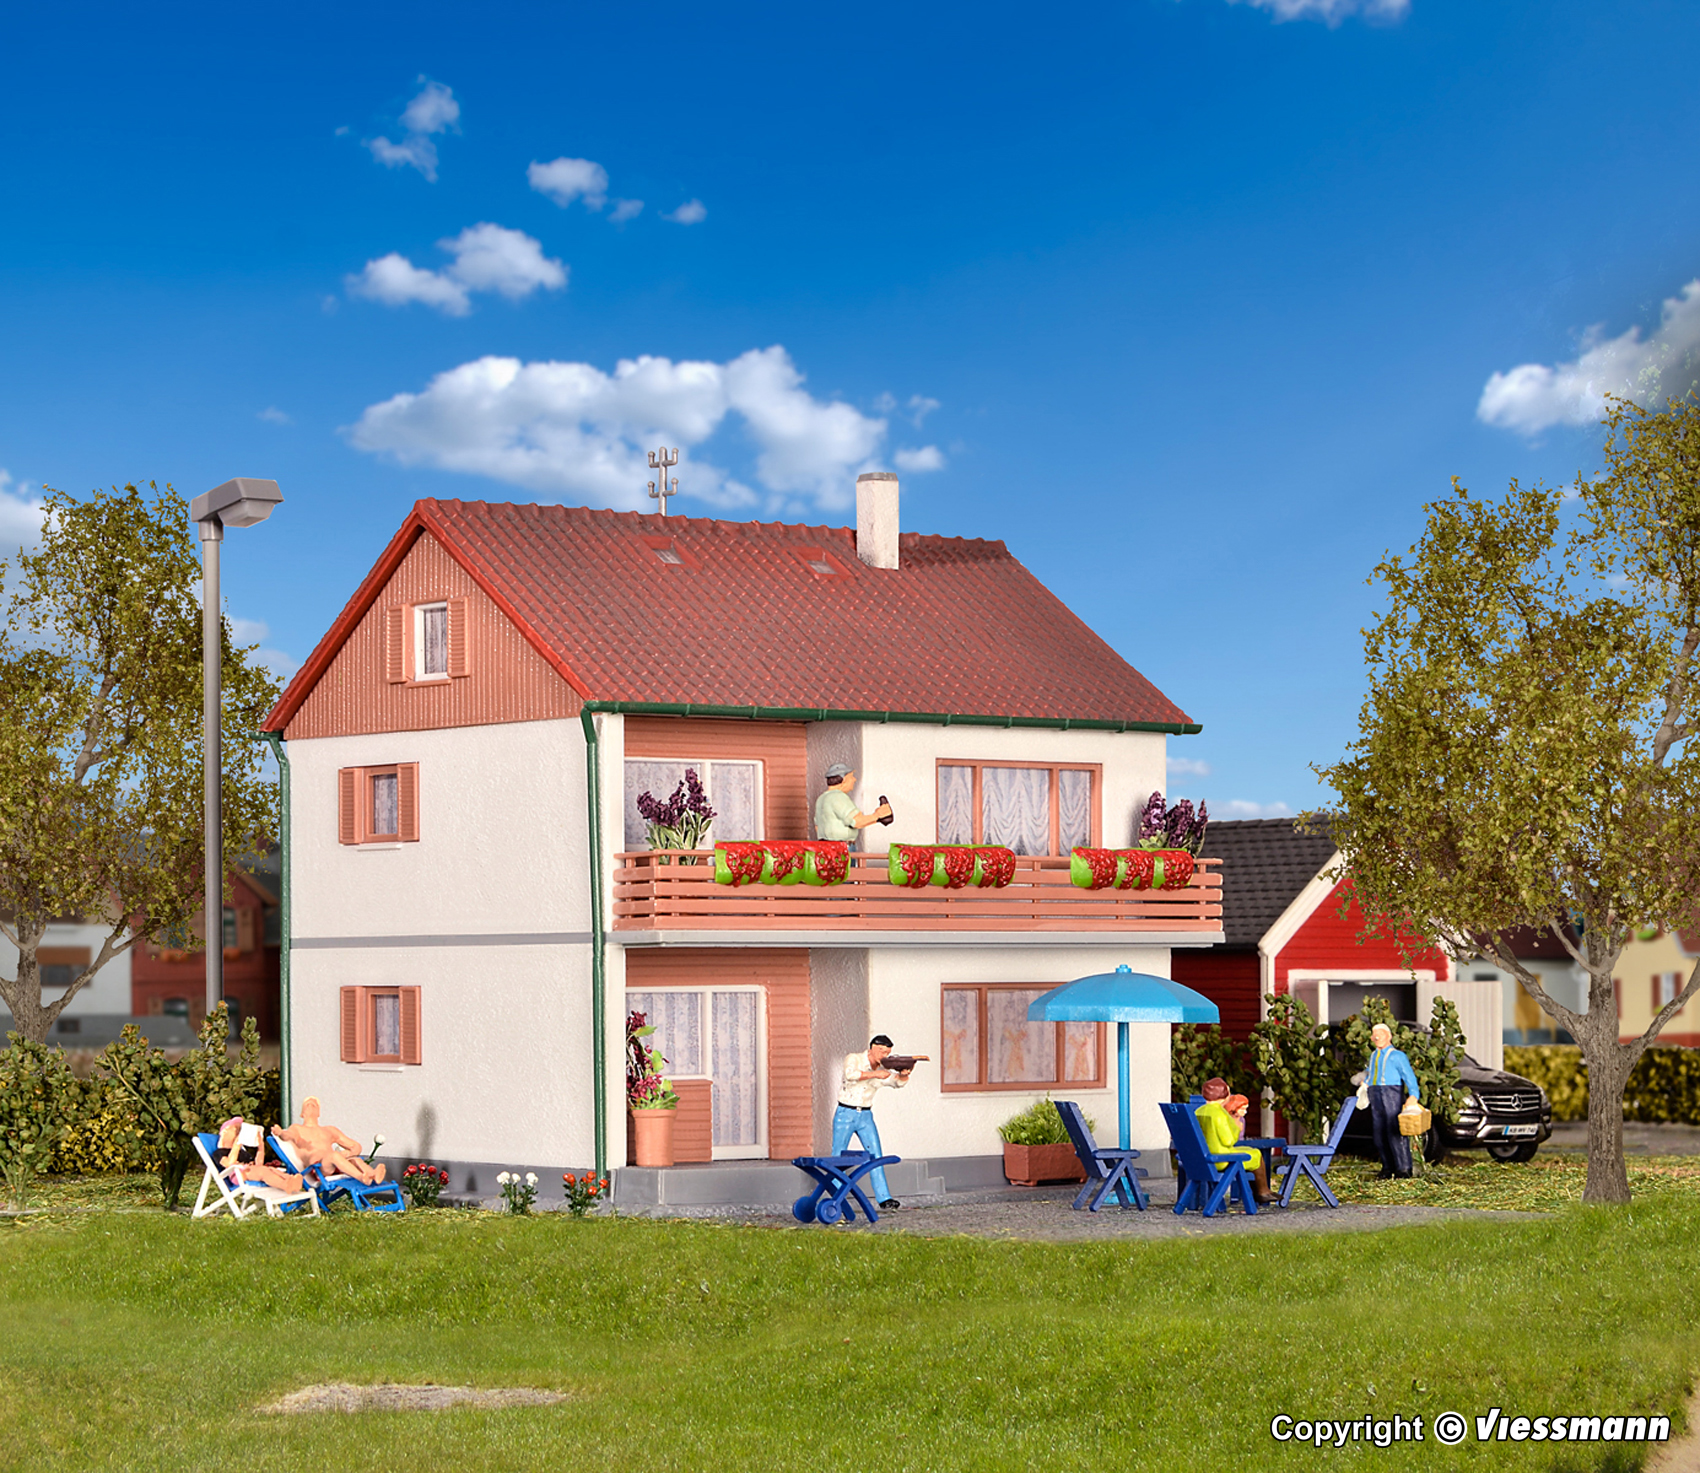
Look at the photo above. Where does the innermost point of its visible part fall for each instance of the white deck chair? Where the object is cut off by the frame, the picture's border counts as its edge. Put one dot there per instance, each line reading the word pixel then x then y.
pixel 244 1198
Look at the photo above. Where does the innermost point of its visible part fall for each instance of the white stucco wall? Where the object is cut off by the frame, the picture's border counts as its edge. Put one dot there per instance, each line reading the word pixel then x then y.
pixel 108 993
pixel 902 762
pixel 506 1023
pixel 922 1120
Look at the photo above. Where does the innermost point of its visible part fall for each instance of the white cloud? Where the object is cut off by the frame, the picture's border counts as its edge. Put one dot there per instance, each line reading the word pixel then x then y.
pixel 570 429
pixel 1331 12
pixel 487 258
pixel 395 281
pixel 1187 767
pixel 1240 808
pixel 920 407
pixel 625 209
pixel 272 415
pixel 433 110
pixel 565 180
pixel 20 516
pixel 245 632
pixel 692 212
pixel 927 458
pixel 1535 396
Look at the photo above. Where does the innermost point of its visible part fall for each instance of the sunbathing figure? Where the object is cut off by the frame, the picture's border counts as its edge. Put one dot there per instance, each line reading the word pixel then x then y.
pixel 327 1147
pixel 242 1157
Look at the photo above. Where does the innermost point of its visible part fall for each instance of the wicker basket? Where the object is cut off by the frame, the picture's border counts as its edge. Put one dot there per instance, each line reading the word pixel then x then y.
pixel 1415 1122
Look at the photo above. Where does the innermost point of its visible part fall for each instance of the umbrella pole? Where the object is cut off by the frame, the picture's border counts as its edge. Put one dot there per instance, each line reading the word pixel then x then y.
pixel 1121 1070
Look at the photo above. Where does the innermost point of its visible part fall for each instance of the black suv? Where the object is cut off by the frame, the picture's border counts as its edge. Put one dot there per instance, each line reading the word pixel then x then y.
pixel 1505 1113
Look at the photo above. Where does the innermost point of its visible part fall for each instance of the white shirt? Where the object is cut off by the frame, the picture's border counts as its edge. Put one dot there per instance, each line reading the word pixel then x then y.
pixel 858 1093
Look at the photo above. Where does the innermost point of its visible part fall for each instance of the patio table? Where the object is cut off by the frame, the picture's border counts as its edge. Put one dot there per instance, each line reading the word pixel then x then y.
pixel 840 1191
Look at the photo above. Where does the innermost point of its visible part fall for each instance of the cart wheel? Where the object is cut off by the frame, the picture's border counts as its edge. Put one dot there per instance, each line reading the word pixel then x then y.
pixel 828 1211
pixel 803 1209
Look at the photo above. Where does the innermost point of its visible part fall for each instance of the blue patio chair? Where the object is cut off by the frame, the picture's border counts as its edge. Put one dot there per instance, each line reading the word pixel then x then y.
pixel 1256 1143
pixel 1210 1181
pixel 384 1196
pixel 1106 1170
pixel 1314 1161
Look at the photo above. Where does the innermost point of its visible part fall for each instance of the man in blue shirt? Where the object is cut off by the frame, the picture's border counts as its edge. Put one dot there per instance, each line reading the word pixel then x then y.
pixel 1387 1076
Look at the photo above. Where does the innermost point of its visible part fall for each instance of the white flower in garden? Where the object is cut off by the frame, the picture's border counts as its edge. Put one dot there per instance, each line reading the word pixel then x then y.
pixel 503 1179
pixel 531 1178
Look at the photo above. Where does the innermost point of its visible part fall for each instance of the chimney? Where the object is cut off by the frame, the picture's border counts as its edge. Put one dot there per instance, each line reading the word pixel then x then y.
pixel 876 519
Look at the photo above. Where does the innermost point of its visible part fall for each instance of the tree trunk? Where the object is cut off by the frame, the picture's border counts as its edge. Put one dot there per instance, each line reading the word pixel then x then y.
pixel 23 997
pixel 1608 1064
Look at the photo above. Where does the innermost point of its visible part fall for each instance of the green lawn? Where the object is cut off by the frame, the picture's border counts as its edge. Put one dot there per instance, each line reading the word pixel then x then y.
pixel 137 1340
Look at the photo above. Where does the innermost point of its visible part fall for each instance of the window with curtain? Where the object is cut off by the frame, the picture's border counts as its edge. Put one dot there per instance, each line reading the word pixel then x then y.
pixel 1030 809
pixel 733 788
pixel 988 1044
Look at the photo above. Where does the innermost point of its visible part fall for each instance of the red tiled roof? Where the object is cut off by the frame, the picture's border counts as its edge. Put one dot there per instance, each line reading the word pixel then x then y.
pixel 960 627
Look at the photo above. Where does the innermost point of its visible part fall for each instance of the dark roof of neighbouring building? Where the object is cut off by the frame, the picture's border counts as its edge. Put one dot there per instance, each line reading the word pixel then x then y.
pixel 961 627
pixel 1266 862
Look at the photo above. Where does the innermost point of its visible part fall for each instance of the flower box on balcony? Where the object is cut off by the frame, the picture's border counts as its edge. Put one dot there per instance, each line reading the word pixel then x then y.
pixel 817 862
pixel 952 866
pixel 1130 869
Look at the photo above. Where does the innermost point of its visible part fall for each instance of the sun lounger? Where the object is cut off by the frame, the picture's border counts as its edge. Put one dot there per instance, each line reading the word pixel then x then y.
pixel 384 1196
pixel 240 1199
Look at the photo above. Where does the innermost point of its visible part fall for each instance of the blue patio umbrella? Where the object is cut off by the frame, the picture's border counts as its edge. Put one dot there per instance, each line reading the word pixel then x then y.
pixel 1121 997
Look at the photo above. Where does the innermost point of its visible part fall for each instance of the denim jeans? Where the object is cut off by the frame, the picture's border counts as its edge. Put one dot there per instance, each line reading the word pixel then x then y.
pixel 860 1123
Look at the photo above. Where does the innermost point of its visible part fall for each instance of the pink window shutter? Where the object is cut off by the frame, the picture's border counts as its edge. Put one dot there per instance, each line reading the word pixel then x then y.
pixel 407 802
pixel 395 644
pixel 460 648
pixel 353 1020
pixel 410 1030
pixel 347 793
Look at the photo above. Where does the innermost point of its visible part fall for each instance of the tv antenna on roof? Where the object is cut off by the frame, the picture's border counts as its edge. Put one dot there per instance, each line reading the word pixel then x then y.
pixel 662 460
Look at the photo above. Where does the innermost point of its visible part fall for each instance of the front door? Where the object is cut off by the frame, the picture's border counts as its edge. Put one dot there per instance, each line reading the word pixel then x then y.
pixel 717 1034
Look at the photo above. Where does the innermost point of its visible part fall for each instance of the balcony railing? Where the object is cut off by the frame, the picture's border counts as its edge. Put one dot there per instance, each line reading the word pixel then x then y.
pixel 674 889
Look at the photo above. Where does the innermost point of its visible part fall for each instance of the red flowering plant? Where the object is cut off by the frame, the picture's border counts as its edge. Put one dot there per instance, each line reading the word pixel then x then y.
pixel 423 1184
pixel 645 1088
pixel 583 1192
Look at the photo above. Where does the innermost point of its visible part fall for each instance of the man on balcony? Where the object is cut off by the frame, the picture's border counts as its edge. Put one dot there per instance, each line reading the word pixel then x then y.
pixel 836 815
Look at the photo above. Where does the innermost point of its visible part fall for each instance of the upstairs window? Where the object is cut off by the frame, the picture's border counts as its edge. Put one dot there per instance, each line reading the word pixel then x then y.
pixel 381 1025
pixel 431 641
pixel 1031 809
pixel 734 792
pixel 378 805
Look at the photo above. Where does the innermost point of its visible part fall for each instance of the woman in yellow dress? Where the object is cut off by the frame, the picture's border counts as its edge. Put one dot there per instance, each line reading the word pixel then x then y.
pixel 1222 1119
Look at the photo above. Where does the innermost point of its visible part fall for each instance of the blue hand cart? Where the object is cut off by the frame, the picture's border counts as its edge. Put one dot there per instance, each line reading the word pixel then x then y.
pixel 839 1193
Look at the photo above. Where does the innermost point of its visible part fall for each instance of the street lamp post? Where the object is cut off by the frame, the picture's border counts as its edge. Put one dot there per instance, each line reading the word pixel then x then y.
pixel 238 503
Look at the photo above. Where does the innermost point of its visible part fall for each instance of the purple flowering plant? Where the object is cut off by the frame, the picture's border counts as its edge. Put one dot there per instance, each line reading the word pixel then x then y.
pixel 1180 826
pixel 682 820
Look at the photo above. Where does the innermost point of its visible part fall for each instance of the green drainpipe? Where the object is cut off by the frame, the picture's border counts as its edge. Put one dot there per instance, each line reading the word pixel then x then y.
pixel 598 977
pixel 275 743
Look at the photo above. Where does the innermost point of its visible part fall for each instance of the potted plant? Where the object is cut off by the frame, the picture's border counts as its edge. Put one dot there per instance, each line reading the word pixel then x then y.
pixel 651 1102
pixel 682 820
pixel 1036 1148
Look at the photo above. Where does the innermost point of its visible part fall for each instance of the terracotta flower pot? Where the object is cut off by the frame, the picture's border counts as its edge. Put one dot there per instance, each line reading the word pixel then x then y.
pixel 1027 1166
pixel 652 1132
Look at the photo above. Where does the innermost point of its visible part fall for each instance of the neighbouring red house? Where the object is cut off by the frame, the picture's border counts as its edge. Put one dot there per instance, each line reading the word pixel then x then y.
pixel 1284 931
pixel 172 980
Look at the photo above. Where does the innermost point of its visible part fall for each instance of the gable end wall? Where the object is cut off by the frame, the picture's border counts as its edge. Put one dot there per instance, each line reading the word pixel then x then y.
pixel 509 680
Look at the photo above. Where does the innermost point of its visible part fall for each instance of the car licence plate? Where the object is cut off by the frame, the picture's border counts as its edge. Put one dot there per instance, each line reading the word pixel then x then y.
pixel 1521 1129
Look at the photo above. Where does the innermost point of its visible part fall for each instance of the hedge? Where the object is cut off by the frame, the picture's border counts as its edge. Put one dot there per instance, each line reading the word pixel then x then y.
pixel 1663 1086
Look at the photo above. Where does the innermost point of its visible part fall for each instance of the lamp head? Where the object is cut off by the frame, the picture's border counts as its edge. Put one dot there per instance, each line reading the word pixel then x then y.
pixel 238 503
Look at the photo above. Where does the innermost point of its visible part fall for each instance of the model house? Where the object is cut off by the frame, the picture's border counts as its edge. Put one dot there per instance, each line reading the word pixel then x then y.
pixel 96 1014
pixel 1651 973
pixel 1290 925
pixel 475 906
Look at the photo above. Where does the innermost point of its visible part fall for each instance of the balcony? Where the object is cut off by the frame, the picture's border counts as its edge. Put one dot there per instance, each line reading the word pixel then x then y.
pixel 668 897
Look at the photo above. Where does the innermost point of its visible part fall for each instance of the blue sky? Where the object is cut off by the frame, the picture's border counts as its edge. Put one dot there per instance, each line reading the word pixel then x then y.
pixel 1192 303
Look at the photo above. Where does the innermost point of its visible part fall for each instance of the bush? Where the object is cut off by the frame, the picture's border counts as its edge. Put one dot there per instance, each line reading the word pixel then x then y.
pixel 1039 1124
pixel 40 1100
pixel 109 1138
pixel 1664 1085
pixel 1201 1051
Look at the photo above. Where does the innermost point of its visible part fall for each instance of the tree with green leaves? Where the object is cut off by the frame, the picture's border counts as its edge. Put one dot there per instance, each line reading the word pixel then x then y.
pixel 1525 755
pixel 100 736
